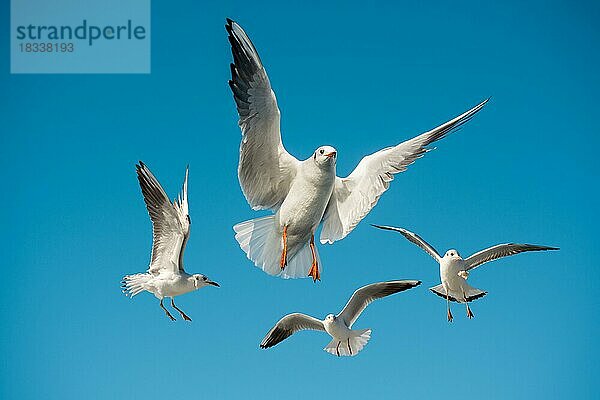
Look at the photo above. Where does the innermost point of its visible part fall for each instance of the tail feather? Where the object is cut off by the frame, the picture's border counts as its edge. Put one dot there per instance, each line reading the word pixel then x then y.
pixel 357 343
pixel 471 293
pixel 262 242
pixel 135 284
pixel 258 239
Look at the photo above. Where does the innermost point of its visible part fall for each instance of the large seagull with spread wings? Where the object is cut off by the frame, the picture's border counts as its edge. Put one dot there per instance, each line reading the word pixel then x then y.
pixel 170 232
pixel 302 193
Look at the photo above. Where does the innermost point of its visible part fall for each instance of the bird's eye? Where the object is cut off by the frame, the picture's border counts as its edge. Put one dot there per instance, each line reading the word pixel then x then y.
pixel 204 278
pixel 321 151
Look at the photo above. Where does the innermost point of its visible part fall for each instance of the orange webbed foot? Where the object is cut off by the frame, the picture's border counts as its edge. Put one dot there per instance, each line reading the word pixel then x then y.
pixel 314 272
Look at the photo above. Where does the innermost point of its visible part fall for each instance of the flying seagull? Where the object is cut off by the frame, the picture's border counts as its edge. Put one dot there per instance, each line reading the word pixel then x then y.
pixel 454 270
pixel 346 341
pixel 170 232
pixel 302 194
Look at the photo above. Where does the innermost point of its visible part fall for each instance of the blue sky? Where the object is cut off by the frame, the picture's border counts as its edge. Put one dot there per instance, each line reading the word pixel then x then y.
pixel 359 77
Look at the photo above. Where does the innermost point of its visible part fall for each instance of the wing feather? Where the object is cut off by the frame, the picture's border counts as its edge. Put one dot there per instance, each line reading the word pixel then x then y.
pixel 354 196
pixel 362 297
pixel 265 169
pixel 289 325
pixel 170 222
pixel 499 251
pixel 183 214
pixel 414 238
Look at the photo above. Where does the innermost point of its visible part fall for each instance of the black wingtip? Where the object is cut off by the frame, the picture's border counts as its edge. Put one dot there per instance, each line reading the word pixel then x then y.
pixel 479 108
pixel 412 283
pixel 386 228
pixel 484 102
pixel 229 25
pixel 538 247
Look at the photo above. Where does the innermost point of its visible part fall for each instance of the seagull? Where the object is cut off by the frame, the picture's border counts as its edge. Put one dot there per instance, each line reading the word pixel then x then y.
pixel 170 232
pixel 454 270
pixel 346 341
pixel 302 194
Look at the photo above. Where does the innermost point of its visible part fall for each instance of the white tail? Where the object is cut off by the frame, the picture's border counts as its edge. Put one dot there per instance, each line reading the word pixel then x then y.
pixel 471 293
pixel 135 284
pixel 262 242
pixel 351 346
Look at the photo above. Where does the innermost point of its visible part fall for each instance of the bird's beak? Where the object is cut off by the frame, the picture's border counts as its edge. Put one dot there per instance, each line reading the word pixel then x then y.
pixel 330 154
pixel 213 283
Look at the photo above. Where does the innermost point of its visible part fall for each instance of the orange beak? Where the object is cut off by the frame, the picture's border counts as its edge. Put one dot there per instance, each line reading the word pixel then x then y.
pixel 330 154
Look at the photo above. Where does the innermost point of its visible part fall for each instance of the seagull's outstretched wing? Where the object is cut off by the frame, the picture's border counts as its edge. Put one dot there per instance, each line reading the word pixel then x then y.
pixel 289 325
pixel 170 222
pixel 183 214
pixel 416 239
pixel 365 295
pixel 354 196
pixel 266 169
pixel 499 251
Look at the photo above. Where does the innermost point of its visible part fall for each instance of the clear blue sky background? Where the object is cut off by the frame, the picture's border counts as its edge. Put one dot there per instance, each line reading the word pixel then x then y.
pixel 357 76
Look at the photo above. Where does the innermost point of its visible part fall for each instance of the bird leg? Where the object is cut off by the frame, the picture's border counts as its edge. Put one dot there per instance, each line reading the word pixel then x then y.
pixel 183 315
pixel 283 261
pixel 314 269
pixel 166 311
pixel 349 348
pixel 337 349
pixel 448 304
pixel 469 312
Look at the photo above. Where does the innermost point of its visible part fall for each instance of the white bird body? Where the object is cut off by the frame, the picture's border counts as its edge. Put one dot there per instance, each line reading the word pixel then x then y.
pixel 166 276
pixel 449 269
pixel 345 341
pixel 454 270
pixel 453 276
pixel 168 284
pixel 175 285
pixel 302 194
pixel 303 208
pixel 337 328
